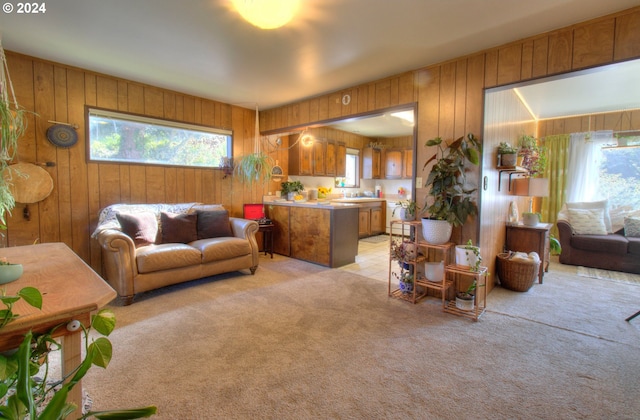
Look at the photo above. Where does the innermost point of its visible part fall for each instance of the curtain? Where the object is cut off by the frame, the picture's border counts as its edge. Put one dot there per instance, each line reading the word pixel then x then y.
pixel 583 170
pixel 557 147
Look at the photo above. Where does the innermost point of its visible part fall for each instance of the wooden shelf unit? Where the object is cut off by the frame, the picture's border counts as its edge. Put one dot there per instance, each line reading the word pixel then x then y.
pixel 419 278
pixel 480 277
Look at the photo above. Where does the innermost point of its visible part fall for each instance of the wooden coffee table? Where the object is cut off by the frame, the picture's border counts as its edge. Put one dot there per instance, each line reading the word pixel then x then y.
pixel 70 289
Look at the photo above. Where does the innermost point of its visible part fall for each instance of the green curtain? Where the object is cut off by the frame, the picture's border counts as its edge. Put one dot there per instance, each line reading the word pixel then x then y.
pixel 557 147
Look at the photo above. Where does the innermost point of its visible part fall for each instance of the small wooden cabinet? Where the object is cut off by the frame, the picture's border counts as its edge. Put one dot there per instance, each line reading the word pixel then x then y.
pixel 371 161
pixel 330 158
pixel 407 164
pixel 527 239
pixel 319 158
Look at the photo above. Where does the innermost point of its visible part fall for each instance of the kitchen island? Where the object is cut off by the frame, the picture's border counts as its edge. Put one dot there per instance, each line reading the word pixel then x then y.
pixel 324 232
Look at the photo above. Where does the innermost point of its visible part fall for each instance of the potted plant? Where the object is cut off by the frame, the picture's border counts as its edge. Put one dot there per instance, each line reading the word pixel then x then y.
pixel 23 395
pixel 554 245
pixel 507 154
pixel 530 219
pixel 291 189
pixel 9 272
pixel 532 156
pixel 465 300
pixel 468 255
pixel 255 167
pixel 403 251
pixel 449 202
pixel 408 209
pixel 405 281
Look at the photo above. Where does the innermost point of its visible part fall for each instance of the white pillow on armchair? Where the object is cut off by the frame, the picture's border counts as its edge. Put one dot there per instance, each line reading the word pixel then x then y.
pixel 591 205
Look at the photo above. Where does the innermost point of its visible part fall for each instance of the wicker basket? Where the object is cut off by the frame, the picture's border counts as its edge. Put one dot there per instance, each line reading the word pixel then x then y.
pixel 517 275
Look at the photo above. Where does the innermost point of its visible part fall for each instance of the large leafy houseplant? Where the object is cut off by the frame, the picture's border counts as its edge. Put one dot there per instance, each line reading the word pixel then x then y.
pixel 256 166
pixel 23 396
pixel 448 197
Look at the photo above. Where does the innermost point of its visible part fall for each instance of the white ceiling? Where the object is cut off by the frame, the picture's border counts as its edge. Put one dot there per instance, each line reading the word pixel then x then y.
pixel 203 47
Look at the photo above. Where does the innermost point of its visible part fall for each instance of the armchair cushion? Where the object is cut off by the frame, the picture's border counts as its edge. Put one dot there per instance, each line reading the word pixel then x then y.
pixel 632 227
pixel 141 227
pixel 178 228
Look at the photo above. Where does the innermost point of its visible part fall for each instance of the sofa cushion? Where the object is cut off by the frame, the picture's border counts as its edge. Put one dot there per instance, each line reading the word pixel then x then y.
pixel 178 228
pixel 216 249
pixel 634 246
pixel 611 244
pixel 632 227
pixel 141 227
pixel 213 224
pixel 590 205
pixel 166 256
pixel 587 221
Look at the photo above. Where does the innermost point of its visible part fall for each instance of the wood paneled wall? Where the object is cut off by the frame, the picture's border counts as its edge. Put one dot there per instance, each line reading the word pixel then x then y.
pixel 59 93
pixel 450 95
pixel 616 121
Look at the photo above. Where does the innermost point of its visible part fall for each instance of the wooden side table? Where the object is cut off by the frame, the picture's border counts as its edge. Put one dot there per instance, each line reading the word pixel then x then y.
pixel 527 239
pixel 267 231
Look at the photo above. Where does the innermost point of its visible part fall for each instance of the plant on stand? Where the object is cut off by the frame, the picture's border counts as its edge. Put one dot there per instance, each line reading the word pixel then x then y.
pixel 469 255
pixel 403 252
pixel 507 154
pixel 408 209
pixel 465 300
pixel 449 202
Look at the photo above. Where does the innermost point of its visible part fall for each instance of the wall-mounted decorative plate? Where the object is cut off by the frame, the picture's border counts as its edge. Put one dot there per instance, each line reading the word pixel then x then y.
pixel 62 135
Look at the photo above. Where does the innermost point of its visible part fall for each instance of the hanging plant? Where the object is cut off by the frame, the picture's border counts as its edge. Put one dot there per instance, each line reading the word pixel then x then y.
pixel 257 166
pixel 12 126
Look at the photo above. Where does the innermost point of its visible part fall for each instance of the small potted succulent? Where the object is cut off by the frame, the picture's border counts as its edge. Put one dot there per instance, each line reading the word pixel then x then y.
pixel 408 210
pixel 465 300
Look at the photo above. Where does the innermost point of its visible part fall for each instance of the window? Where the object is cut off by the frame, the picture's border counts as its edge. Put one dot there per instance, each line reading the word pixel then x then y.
pixel 128 138
pixel 620 174
pixel 352 178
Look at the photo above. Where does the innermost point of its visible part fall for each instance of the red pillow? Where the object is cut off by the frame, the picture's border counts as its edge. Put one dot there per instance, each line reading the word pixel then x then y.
pixel 141 227
pixel 178 228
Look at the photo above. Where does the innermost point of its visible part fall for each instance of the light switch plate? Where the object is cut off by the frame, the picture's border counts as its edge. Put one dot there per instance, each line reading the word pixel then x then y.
pixel 418 182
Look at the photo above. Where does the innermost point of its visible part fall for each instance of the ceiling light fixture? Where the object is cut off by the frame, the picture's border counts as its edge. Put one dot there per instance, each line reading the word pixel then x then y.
pixel 267 14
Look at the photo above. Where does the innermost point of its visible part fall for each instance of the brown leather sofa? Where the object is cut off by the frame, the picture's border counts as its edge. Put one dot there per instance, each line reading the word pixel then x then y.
pixel 132 265
pixel 613 251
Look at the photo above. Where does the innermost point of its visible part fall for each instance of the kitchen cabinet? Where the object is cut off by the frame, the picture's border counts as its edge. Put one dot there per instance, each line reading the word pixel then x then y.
pixel 279 216
pixel 398 163
pixel 371 219
pixel 407 164
pixel 319 157
pixel 393 160
pixel 371 161
pixel 341 159
pixel 330 158
pixel 300 158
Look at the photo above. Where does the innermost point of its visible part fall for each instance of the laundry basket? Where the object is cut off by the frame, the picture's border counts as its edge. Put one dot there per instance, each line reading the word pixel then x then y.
pixel 516 274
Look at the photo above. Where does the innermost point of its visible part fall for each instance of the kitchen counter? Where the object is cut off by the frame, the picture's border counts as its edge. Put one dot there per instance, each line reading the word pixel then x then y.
pixel 324 233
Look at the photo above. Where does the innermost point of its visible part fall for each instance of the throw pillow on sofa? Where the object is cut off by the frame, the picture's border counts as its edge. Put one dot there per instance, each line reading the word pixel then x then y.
pixel 587 221
pixel 632 227
pixel 213 224
pixel 141 227
pixel 590 205
pixel 178 228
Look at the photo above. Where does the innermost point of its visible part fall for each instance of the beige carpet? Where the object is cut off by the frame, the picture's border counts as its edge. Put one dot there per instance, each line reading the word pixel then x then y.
pixel 299 341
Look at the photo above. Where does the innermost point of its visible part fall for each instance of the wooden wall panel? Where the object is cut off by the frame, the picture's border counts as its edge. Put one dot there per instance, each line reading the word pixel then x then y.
pixel 593 44
pixel 509 64
pixel 560 49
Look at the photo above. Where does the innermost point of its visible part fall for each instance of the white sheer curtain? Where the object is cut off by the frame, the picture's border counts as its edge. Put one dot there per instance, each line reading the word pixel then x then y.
pixel 583 172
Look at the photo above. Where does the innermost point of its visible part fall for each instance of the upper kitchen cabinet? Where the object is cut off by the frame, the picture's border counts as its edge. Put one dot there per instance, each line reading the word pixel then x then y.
pixel 300 158
pixel 320 157
pixel 341 159
pixel 398 163
pixel 371 161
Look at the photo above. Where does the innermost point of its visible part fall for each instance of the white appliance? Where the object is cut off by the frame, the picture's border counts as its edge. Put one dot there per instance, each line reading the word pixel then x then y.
pixel 397 228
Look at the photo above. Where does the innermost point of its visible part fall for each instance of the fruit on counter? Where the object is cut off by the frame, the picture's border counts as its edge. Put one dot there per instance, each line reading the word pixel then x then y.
pixel 298 197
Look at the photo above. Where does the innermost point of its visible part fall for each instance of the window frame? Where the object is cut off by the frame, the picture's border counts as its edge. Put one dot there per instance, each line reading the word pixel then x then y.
pixel 154 121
